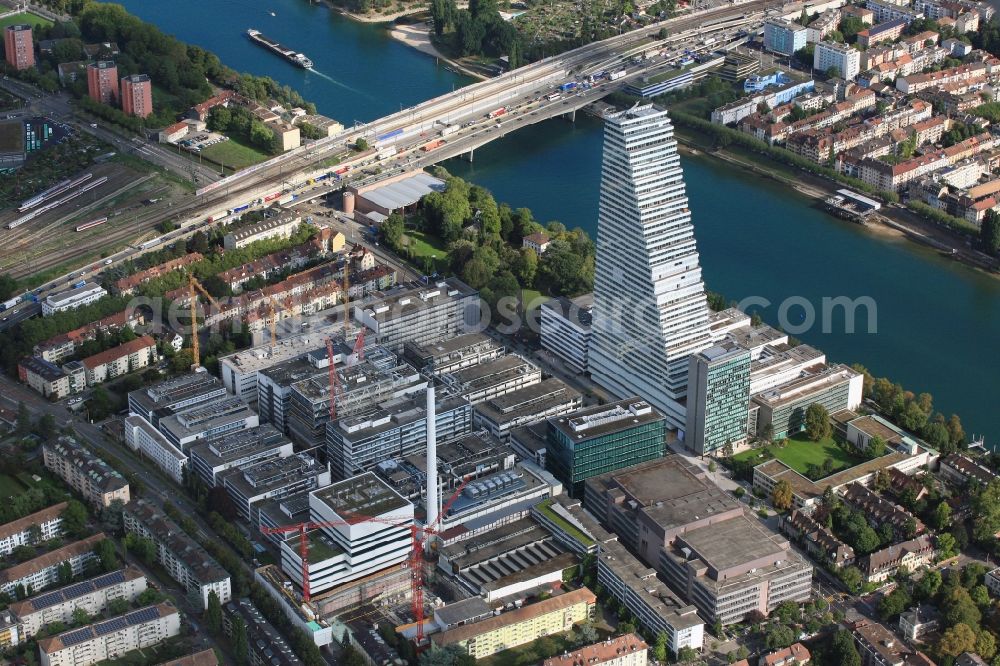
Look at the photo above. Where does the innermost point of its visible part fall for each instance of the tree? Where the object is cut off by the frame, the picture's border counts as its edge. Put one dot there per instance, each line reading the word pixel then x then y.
pixel 893 603
pixel 74 517
pixel 391 230
pixel 361 144
pixel 526 266
pixel 941 518
pixel 959 608
pixel 213 614
pixel 928 585
pixel 117 607
pixel 766 434
pixel 105 551
pixel 779 636
pixel 8 286
pixel 787 612
pixel 876 447
pixel 956 640
pixel 852 579
pixel 842 650
pixel 24 422
pixel 989 233
pixel 781 495
pixel 980 596
pixel 240 644
pixel 80 617
pixel 660 650
pixel 946 546
pixel 817 422
pixel 986 644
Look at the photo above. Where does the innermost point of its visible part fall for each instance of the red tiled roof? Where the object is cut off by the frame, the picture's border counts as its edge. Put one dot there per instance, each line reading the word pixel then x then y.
pixel 114 353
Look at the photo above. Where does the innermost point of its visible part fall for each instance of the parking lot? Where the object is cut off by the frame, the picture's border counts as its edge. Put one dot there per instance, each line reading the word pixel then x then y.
pixel 197 141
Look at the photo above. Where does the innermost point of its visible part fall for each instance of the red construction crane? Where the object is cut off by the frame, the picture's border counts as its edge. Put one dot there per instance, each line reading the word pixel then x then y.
pixel 334 380
pixel 359 345
pixel 416 559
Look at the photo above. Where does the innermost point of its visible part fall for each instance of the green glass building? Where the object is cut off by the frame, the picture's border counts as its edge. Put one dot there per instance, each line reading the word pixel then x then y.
pixel 604 438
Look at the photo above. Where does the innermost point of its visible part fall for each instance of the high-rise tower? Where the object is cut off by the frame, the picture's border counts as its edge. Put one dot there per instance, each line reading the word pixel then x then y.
pixel 650 312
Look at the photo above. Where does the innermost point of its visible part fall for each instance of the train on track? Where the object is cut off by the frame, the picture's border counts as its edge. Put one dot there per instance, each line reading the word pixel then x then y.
pixel 93 223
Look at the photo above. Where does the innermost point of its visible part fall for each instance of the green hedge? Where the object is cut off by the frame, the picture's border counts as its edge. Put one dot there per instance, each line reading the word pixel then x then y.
pixel 944 219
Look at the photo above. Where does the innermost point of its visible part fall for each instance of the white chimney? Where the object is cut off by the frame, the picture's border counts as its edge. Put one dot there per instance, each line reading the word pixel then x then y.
pixel 432 473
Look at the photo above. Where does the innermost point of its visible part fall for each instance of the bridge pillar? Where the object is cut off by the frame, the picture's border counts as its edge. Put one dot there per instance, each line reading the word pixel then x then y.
pixel 468 156
pixel 570 116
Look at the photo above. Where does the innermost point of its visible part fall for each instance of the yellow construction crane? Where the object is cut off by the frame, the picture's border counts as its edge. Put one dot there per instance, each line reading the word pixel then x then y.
pixel 193 288
pixel 272 312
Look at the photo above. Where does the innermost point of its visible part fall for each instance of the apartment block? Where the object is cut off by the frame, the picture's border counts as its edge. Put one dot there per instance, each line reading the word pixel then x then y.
pixel 102 81
pixel 718 403
pixel 19 48
pixel 520 626
pixel 822 25
pixel 141 436
pixel 913 554
pixel 49 379
pixel 820 542
pixel 137 95
pixel 71 299
pixel 43 571
pixel 273 478
pixel 550 397
pixel 628 650
pixel 120 360
pixel 844 57
pixel 883 32
pixel 32 529
pixel 112 638
pixel 211 458
pixel 604 438
pixel 565 329
pixel 784 37
pixel 878 646
pixel 420 313
pixel 182 557
pixel 64 345
pixel 961 469
pixel 84 472
pixel 281 226
pixel 91 595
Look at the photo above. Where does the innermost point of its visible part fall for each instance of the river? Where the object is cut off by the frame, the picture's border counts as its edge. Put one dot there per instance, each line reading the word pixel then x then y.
pixel 938 323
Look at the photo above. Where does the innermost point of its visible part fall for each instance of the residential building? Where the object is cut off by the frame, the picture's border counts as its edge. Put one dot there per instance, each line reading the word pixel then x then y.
pixel 880 647
pixel 884 11
pixel 835 387
pixel 102 81
pixel 820 542
pixel 919 621
pixel 127 285
pixel 550 397
pixel 881 511
pixel 281 226
pixel 883 32
pixel 11 631
pixel 141 436
pixel 203 658
pixel 867 16
pixel 627 650
pixel 993 581
pixel 794 655
pixel 913 554
pixel 419 313
pixel 71 299
pixel 60 347
pixel 604 438
pixel 91 596
pixel 538 241
pixel 211 457
pixel 208 419
pixel 276 477
pixel 522 625
pixel 19 49
pixel 395 428
pixel 174 395
pixel 647 262
pixel 784 37
pixel 182 557
pixel 718 402
pixel 120 360
pixel 844 57
pixel 137 95
pixel 961 469
pixel 343 551
pixel 822 25
pixel 32 529
pixel 565 329
pixel 49 379
pixel 81 470
pixel 43 571
pixel 909 85
pixel 111 638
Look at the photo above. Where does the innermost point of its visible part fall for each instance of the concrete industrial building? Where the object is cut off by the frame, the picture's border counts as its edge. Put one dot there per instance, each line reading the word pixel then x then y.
pixel 566 327
pixel 604 438
pixel 111 638
pixel 137 95
pixel 276 477
pixel 208 419
pixel 71 299
pixel 182 557
pixel 441 357
pixel 718 403
pixel 91 477
pixel 173 395
pixel 43 571
pixel 141 436
pixel 91 596
pixel 650 311
pixel 47 523
pixel 102 82
pixel 19 49
pixel 281 226
pixel 419 313
pixel 216 455
pixel 504 413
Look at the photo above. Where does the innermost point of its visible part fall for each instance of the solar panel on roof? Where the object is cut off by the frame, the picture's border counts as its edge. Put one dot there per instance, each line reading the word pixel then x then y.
pixel 143 615
pixel 78 636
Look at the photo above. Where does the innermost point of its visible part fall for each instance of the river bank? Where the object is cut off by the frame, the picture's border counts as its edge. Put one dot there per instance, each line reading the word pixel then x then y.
pixel 418 36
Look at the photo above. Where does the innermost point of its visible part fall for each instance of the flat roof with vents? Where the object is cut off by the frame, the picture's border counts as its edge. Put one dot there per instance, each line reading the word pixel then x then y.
pixel 608 419
pixel 364 494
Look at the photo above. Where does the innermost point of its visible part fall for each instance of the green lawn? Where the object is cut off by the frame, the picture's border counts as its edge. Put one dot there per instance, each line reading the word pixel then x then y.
pixel 424 245
pixel 800 452
pixel 233 154
pixel 24 17
pixel 545 508
pixel 9 486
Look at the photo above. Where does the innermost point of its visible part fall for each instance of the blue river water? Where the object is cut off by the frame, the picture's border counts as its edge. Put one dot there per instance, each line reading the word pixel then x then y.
pixel 937 324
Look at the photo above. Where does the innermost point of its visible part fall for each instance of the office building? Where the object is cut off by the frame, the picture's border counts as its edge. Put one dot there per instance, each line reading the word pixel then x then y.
pixel 43 571
pixel 182 557
pixel 91 596
pixel 602 439
pixel 281 226
pixel 718 403
pixel 71 299
pixel 419 313
pixel 49 379
pixel 343 552
pixel 19 48
pixel 111 638
pixel 212 457
pixel 445 356
pixel 173 395
pixel 392 429
pixel 208 419
pixel 520 626
pixel 565 329
pixel 844 57
pixel 32 529
pixel 141 436
pixel 650 312
pixel 784 37
pixel 137 95
pixel 276 477
pixel 836 388
pixel 241 370
pixel 102 81
pixel 550 397
pixel 120 360
pixel 94 479
pixel 735 567
pixel 490 379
